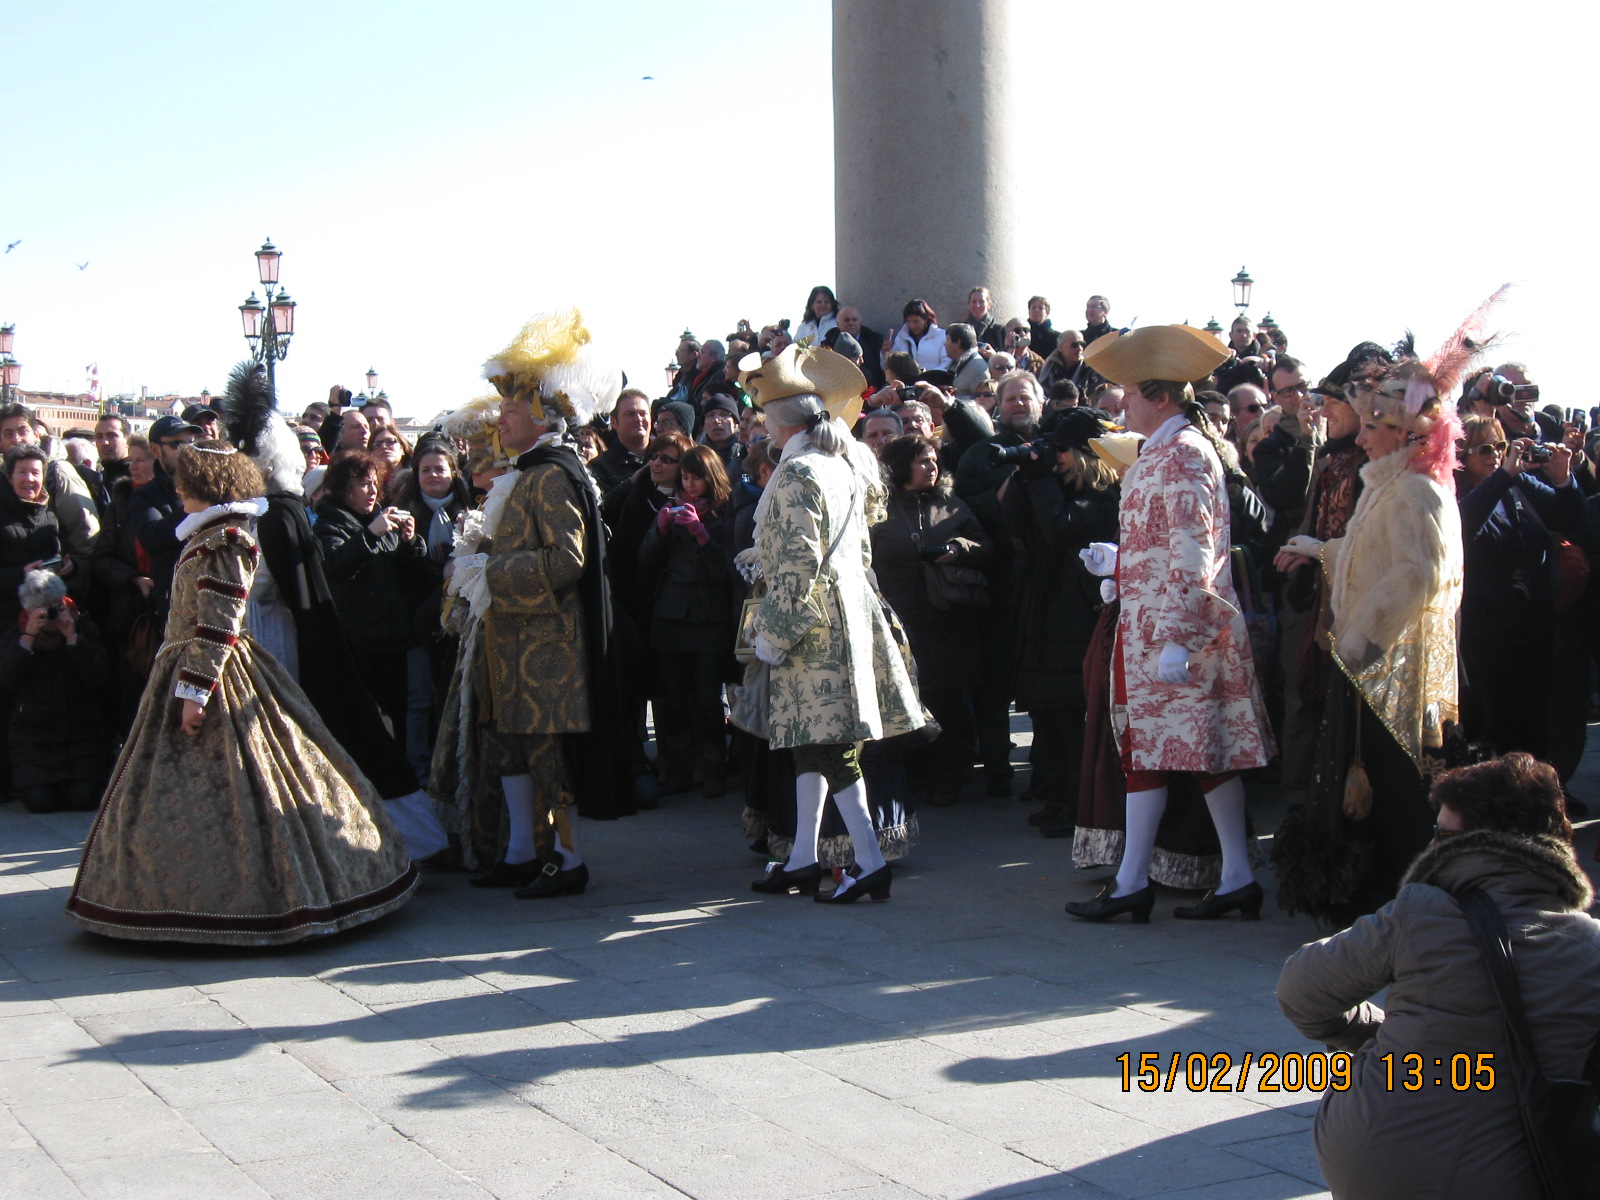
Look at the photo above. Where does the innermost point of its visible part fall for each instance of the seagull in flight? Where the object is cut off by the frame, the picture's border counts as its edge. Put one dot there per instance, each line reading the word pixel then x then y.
pixel 13 245
pixel 83 266
pixel 642 78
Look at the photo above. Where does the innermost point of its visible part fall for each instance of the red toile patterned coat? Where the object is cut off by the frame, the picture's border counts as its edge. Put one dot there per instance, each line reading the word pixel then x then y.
pixel 1175 585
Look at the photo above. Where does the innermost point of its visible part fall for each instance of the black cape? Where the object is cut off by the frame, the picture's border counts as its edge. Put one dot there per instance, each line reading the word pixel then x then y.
pixel 329 674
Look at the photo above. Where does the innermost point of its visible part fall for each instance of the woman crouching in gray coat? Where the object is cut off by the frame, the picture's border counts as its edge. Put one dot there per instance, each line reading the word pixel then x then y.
pixel 1406 1127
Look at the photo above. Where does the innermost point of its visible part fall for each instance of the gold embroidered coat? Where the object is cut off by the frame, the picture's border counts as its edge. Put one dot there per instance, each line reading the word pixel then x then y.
pixel 534 640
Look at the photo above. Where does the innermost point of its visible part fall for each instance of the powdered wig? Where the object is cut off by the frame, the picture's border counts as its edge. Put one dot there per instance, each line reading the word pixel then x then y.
pixel 805 412
pixel 215 472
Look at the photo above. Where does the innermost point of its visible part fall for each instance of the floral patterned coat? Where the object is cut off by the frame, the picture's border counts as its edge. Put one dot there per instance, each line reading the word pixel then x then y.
pixel 845 678
pixel 1175 585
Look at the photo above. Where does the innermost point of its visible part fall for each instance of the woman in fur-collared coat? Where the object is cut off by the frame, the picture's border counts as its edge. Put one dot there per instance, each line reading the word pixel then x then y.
pixel 1394 587
pixel 1408 1130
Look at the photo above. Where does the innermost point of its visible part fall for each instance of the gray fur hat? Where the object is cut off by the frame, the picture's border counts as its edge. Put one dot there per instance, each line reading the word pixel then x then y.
pixel 41 589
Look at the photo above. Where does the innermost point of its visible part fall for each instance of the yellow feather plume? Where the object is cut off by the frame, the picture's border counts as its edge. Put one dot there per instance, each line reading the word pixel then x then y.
pixel 549 340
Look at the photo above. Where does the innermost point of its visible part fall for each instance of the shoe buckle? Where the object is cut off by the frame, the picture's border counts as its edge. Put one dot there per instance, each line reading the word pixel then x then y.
pixel 549 868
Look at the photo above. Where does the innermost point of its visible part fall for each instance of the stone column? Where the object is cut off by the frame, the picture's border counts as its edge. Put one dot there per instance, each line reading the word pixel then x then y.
pixel 922 178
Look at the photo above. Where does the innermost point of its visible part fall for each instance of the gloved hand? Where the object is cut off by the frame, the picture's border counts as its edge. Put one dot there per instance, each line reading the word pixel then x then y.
pixel 1036 466
pixel 767 652
pixel 748 563
pixel 690 520
pixel 1356 651
pixel 664 518
pixel 1173 665
pixel 1108 590
pixel 1304 546
pixel 1100 558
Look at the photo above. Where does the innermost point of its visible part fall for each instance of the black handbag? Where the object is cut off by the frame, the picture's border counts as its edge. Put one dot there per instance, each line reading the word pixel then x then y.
pixel 1559 1116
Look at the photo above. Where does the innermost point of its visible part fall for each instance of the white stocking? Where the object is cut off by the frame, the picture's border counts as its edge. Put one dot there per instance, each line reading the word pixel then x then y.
pixel 1226 804
pixel 567 845
pixel 852 805
pixel 810 793
pixel 520 808
pixel 1139 843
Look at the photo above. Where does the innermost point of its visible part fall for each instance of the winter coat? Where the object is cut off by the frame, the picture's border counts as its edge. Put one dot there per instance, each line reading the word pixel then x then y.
pixel 116 564
pixel 690 587
pixel 1377 1140
pixel 1506 522
pixel 929 350
pixel 1176 585
pixel 1057 599
pixel 55 724
pixel 940 641
pixel 28 533
pixel 370 577
pixel 844 678
pixel 1395 588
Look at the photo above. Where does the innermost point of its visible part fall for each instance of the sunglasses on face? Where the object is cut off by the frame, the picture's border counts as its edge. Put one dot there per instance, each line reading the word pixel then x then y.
pixel 1285 392
pixel 665 460
pixel 1485 448
pixel 1250 408
pixel 385 444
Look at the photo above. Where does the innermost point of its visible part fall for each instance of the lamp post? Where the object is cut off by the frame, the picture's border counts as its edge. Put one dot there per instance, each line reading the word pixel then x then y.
pixel 1242 283
pixel 1268 323
pixel 268 327
pixel 10 368
pixel 1213 328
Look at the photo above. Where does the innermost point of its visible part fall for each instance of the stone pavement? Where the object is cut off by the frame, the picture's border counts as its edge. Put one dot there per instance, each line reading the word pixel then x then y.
pixel 667 1034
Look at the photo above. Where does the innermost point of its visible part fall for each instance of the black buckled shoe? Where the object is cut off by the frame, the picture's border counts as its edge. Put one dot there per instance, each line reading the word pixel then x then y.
pixel 777 881
pixel 553 881
pixel 851 888
pixel 1105 906
pixel 1247 900
pixel 507 875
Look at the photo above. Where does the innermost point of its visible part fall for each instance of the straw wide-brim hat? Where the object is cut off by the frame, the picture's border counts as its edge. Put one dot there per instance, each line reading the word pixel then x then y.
pixel 1178 353
pixel 1117 450
pixel 805 370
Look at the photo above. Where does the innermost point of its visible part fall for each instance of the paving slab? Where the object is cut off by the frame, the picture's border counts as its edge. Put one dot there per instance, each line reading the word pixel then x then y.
pixel 668 1034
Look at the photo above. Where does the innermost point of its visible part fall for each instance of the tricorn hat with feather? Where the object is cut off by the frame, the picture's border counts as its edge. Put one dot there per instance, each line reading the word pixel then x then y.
pixel 551 363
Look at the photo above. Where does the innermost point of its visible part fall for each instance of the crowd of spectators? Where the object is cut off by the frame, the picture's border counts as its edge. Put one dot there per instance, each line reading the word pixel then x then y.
pixel 992 493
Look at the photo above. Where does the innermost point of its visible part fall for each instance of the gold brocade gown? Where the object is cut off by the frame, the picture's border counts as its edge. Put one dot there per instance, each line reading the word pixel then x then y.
pixel 259 831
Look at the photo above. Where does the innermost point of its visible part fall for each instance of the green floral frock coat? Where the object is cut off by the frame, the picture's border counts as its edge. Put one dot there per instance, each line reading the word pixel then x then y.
pixel 846 678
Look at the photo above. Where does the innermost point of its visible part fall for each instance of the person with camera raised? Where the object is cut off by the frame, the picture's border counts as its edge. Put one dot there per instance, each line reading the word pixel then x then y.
pixel 1057 504
pixel 54 675
pixel 371 554
pixel 1507 597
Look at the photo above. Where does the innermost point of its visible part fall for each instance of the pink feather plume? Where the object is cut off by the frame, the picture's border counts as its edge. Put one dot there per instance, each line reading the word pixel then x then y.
pixel 1451 360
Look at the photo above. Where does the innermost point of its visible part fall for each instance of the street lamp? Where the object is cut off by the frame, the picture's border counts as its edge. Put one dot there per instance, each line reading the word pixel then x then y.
pixel 1242 283
pixel 10 368
pixel 268 327
pixel 1268 323
pixel 1213 328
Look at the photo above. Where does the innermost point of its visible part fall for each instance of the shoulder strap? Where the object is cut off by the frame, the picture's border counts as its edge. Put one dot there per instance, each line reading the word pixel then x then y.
pixel 1494 943
pixel 844 525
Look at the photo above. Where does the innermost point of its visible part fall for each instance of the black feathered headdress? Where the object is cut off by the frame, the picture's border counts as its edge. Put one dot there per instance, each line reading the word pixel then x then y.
pixel 252 422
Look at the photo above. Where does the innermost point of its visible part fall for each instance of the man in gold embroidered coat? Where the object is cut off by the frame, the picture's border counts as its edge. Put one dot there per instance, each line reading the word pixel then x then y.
pixel 545 685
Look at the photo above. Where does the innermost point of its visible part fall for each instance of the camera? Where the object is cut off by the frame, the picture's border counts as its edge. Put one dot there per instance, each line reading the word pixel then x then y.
pixel 1497 389
pixel 1538 453
pixel 932 553
pixel 52 613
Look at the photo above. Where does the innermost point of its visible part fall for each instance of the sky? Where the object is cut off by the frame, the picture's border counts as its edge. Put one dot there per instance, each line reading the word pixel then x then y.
pixel 435 175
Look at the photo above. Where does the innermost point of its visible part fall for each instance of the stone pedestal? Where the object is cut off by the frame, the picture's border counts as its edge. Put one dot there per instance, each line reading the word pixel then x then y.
pixel 923 185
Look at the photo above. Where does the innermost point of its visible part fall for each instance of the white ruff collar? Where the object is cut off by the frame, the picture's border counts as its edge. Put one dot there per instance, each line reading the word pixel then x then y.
pixel 243 508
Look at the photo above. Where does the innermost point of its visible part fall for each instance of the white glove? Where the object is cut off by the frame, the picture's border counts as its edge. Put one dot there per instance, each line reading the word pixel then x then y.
pixel 1108 590
pixel 1173 665
pixel 1100 558
pixel 1305 547
pixel 767 652
pixel 748 563
pixel 469 532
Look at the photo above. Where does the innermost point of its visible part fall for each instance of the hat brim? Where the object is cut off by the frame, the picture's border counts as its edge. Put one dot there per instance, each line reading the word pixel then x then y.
pixel 1179 353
